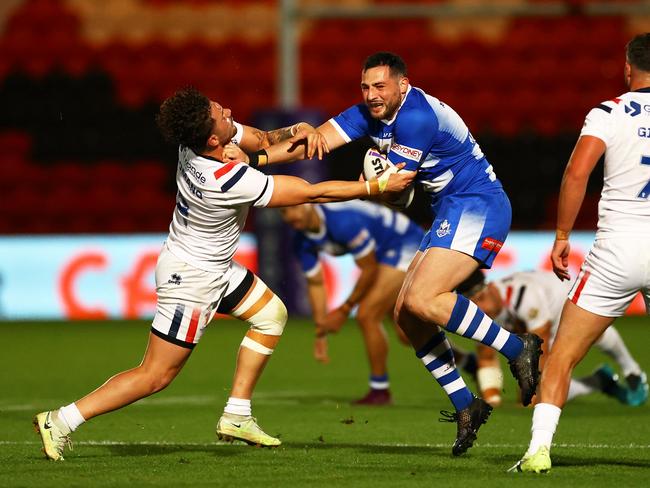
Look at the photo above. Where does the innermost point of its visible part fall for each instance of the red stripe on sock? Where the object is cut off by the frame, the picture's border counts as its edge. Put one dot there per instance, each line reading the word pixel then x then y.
pixel 581 285
pixel 194 322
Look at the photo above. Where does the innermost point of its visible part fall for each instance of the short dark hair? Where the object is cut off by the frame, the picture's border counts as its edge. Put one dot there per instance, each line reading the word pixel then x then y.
pixel 638 52
pixel 185 119
pixel 395 64
pixel 472 284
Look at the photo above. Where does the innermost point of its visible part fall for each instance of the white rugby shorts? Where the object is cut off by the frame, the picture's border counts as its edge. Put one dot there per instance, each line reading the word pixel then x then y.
pixel 188 297
pixel 614 271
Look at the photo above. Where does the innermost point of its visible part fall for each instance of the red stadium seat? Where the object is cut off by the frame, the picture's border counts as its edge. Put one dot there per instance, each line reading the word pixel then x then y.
pixel 151 173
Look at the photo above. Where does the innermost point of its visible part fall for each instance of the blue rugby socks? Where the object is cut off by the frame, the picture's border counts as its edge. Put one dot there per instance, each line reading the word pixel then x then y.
pixel 469 321
pixel 438 358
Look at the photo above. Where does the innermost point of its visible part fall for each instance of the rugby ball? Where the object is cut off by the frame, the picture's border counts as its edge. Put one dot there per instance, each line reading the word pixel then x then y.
pixel 374 164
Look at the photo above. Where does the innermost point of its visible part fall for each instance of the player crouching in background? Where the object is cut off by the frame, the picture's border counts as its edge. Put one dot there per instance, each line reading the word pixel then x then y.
pixel 532 301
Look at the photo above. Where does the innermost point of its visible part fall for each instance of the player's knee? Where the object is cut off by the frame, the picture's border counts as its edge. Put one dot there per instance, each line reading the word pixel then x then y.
pixel 415 306
pixel 367 317
pixel 157 380
pixel 426 307
pixel 271 318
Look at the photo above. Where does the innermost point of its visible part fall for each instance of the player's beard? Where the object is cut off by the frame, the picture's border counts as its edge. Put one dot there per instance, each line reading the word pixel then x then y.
pixel 387 110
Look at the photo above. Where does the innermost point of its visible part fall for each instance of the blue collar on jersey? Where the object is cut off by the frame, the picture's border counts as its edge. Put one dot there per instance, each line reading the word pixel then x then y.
pixel 643 90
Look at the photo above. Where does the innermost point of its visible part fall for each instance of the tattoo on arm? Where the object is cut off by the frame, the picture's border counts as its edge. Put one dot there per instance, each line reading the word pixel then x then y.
pixel 279 135
pixel 261 137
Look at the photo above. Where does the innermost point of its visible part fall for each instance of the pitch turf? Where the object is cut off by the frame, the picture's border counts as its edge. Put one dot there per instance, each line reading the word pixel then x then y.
pixel 168 439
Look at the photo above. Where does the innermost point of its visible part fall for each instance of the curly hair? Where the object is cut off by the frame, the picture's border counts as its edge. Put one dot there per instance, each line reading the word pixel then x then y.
pixel 638 52
pixel 184 119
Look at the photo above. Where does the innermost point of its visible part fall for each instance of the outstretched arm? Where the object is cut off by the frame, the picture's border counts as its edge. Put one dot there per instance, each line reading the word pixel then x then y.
pixel 254 139
pixel 299 141
pixel 291 190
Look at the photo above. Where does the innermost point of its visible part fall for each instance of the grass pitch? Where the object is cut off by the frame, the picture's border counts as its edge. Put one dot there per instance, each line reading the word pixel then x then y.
pixel 168 439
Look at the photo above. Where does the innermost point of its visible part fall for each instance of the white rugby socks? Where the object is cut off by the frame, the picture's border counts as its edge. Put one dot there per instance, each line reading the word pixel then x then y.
pixel 69 416
pixel 238 406
pixel 545 420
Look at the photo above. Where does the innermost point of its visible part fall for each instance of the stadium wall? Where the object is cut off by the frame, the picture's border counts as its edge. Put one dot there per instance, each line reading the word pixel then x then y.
pixel 112 276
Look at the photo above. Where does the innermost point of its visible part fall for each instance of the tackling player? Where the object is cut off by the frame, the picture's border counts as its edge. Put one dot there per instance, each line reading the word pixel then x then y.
pixel 618 265
pixel 471 219
pixel 196 276
pixel 533 301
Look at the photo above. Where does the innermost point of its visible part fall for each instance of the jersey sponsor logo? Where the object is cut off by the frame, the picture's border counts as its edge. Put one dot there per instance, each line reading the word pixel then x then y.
pixel 633 109
pixel 189 167
pixel 644 132
pixel 407 152
pixel 491 244
pixel 444 229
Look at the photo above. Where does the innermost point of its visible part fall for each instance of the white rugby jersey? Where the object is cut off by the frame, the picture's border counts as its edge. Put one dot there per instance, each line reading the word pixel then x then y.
pixel 211 206
pixel 532 297
pixel 624 125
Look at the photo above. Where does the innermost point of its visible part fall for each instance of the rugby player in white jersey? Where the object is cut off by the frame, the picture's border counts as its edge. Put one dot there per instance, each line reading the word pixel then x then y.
pixel 196 276
pixel 618 265
pixel 533 301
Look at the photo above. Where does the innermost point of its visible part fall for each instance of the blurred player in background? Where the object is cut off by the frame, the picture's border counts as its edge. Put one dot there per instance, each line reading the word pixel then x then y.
pixel 471 219
pixel 618 265
pixel 196 276
pixel 533 301
pixel 382 242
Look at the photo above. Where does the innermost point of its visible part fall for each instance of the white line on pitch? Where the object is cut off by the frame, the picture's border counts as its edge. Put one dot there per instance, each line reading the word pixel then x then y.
pixel 398 444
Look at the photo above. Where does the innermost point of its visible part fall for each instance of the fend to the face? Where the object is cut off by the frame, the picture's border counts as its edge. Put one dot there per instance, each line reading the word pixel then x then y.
pixel 223 127
pixel 382 91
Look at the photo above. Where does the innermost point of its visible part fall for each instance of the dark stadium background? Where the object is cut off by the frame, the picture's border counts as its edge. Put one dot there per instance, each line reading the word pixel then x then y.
pixel 80 83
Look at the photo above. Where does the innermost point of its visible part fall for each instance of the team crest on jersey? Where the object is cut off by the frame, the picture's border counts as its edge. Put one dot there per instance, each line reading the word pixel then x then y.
pixel 533 312
pixel 175 279
pixel 444 229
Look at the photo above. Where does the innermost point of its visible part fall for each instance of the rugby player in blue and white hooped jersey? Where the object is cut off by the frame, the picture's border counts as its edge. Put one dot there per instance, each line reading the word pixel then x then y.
pixel 382 242
pixel 196 275
pixel 471 215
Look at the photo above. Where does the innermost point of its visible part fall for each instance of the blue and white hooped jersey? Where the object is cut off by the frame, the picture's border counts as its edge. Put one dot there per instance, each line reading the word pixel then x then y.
pixel 430 137
pixel 357 228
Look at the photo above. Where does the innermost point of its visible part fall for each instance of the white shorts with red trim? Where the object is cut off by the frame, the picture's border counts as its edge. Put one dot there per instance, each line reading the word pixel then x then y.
pixel 615 270
pixel 188 298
